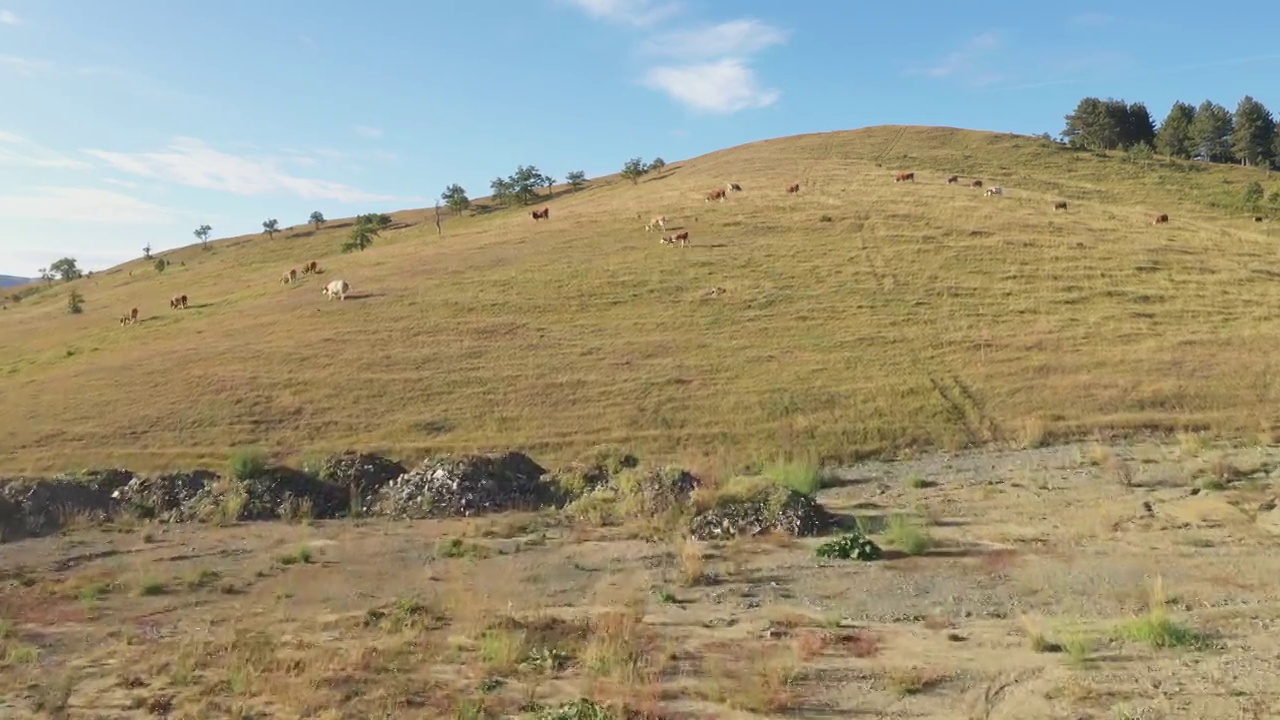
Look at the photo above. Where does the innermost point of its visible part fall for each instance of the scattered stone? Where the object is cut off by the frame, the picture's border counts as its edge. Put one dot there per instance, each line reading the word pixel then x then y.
pixel 465 486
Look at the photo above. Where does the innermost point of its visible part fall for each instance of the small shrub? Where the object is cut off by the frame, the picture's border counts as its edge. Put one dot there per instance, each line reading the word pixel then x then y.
pixel 850 546
pixel 502 651
pixel 152 588
pixel 161 264
pixel 692 567
pixel 248 464
pixel 825 218
pixel 1040 642
pixel 75 302
pixel 303 556
pixel 803 476
pixel 1156 629
pixel 913 681
pixel 917 482
pixel 907 535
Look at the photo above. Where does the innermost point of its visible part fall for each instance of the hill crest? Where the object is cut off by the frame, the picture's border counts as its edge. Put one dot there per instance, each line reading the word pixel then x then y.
pixel 859 315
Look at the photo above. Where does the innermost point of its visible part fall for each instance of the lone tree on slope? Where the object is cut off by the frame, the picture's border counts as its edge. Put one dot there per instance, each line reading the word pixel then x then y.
pixel 576 179
pixel 455 198
pixel 317 219
pixel 634 169
pixel 202 233
pixel 271 227
pixel 65 268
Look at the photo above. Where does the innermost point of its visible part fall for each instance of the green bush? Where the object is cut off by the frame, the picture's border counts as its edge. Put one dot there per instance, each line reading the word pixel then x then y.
pixel 850 546
pixel 248 464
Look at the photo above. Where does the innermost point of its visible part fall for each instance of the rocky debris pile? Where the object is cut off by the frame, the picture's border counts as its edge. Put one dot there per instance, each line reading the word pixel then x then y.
pixel 465 486
pixel 363 474
pixel 32 507
pixel 756 507
pixel 167 498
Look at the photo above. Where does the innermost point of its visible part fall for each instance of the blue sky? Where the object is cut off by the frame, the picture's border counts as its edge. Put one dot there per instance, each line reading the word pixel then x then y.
pixel 134 121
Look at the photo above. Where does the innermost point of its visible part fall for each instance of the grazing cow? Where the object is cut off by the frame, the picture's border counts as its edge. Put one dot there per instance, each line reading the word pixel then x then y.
pixel 795 188
pixel 290 276
pixel 994 191
pixel 337 289
pixel 717 194
pixel 313 267
pixel 976 184
pixel 682 237
pixel 1159 219
pixel 124 320
pixel 734 187
pixel 178 301
pixel 1257 218
pixel 543 214
pixel 658 222
pixel 1060 205
pixel 905 177
pixel 131 318
pixel 954 179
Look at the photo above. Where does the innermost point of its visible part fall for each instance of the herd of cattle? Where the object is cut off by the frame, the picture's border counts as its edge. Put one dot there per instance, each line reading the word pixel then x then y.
pixel 340 288
pixel 336 289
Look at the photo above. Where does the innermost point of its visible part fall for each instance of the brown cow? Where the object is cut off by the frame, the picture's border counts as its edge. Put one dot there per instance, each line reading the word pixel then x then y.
pixel 1060 205
pixel 1158 219
pixel 905 177
pixel 976 184
pixel 717 194
pixel 313 267
pixel 1257 218
pixel 131 318
pixel 291 276
pixel 793 188
pixel 178 301
pixel 733 187
pixel 543 214
pixel 953 179
pixel 682 237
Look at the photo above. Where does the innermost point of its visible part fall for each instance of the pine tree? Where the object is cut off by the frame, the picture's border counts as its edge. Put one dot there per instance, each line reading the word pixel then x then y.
pixel 1211 132
pixel 1138 127
pixel 1253 137
pixel 1174 138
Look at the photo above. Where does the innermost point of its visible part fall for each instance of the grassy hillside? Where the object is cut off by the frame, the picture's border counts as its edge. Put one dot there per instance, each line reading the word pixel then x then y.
pixel 860 315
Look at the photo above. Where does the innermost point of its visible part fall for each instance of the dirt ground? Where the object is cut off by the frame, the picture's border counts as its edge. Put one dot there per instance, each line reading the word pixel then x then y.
pixel 1080 581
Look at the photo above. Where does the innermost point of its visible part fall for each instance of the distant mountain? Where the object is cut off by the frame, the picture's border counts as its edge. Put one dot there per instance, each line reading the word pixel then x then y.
pixel 11 280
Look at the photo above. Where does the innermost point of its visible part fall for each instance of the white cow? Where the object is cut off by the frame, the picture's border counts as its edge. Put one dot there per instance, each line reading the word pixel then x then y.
pixel 658 222
pixel 337 289
pixel 995 191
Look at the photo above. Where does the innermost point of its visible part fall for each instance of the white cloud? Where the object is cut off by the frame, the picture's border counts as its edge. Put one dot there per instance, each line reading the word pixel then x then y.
pixel 967 64
pixel 8 18
pixel 121 183
pixel 368 131
pixel 190 162
pixel 639 13
pixel 16 150
pixel 22 66
pixel 89 205
pixel 734 38
pixel 724 86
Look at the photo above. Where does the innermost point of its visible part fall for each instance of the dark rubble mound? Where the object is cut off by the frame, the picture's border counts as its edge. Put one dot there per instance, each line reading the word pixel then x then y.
pixel 363 474
pixel 167 497
pixel 751 506
pixel 32 507
pixel 277 493
pixel 464 486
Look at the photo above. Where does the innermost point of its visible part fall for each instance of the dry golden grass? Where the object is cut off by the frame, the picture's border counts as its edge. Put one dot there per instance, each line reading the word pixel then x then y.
pixel 921 313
